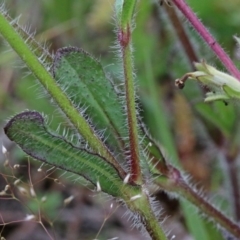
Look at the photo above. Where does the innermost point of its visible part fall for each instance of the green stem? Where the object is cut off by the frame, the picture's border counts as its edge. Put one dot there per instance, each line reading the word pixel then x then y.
pixel 127 13
pixel 141 206
pixel 131 114
pixel 45 78
pixel 39 50
pixel 124 38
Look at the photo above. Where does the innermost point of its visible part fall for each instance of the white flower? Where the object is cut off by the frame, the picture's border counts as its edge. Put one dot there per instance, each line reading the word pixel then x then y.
pixel 222 85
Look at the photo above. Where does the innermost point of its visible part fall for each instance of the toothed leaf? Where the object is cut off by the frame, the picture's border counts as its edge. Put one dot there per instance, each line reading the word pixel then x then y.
pixel 30 132
pixel 82 78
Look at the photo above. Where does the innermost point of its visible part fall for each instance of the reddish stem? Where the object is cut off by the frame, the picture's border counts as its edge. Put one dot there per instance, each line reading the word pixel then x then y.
pixel 124 38
pixel 233 174
pixel 176 183
pixel 208 38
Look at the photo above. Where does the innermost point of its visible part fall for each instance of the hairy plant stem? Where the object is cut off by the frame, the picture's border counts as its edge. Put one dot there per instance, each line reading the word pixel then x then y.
pixel 234 182
pixel 39 50
pixel 150 222
pixel 207 37
pixel 174 182
pixel 141 207
pixel 124 38
pixel 141 204
pixel 131 112
pixel 26 54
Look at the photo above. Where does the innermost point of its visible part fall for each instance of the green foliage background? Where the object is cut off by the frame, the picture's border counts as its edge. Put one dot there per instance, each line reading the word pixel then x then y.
pixel 179 120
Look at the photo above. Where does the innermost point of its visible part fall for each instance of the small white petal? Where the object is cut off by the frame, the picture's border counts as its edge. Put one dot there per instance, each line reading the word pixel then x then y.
pixel 68 200
pixel 29 217
pixel 16 182
pixel 43 199
pixel 6 188
pixel 16 166
pixel 4 150
pixel 3 193
pixel 32 192
pixel 22 190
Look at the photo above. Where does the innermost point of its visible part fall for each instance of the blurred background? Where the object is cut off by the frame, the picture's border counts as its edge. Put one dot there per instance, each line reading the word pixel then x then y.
pixel 201 138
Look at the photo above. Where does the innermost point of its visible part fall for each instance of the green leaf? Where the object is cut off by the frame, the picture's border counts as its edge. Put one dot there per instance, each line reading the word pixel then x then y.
pixel 29 131
pixel 82 78
pixel 124 12
pixel 127 12
pixel 221 116
pixel 194 222
pixel 19 44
